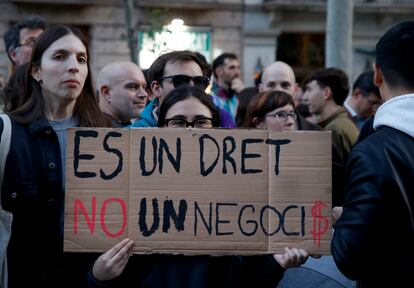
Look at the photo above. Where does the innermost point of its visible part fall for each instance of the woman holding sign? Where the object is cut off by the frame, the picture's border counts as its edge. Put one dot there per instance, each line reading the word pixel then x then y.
pixel 189 107
pixel 57 93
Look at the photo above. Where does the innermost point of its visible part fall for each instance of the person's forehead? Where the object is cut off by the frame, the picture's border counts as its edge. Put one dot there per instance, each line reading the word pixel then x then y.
pixel 131 72
pixel 29 32
pixel 231 61
pixel 278 75
pixel 190 68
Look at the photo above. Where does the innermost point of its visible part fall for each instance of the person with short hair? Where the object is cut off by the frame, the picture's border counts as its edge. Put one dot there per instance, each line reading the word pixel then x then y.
pixel 325 92
pixel 227 83
pixel 20 37
pixel 374 235
pixel 167 72
pixel 364 100
pixel 121 89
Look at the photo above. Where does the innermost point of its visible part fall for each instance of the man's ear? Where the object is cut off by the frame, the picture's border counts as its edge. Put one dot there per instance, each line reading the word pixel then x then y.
pixel 357 93
pixel 378 76
pixel 326 93
pixel 104 91
pixel 13 55
pixel 156 89
pixel 295 88
pixel 36 73
pixel 219 71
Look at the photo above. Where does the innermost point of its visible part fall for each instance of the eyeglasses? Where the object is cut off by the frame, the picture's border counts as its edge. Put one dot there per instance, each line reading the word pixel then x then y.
pixel 178 80
pixel 196 123
pixel 282 115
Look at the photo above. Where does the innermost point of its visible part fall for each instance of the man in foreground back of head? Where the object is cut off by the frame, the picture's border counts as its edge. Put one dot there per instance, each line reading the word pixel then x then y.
pixel 374 236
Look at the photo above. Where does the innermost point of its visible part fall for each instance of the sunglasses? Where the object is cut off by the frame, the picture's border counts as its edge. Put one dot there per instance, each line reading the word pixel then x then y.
pixel 179 80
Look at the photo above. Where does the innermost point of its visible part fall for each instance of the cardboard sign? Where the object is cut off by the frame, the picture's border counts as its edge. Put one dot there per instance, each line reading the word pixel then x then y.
pixel 191 191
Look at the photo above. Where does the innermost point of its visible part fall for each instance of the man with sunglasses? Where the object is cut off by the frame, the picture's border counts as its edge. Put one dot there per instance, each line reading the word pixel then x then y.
pixel 20 38
pixel 169 71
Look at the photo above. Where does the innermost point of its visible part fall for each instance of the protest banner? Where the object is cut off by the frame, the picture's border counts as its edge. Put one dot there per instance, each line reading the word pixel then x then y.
pixel 192 191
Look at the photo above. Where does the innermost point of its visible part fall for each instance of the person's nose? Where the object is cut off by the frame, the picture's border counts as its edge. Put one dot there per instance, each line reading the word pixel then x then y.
pixel 290 121
pixel 141 94
pixel 73 64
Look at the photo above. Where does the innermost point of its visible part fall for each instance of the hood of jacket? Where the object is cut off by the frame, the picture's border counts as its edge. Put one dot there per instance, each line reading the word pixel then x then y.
pixel 397 113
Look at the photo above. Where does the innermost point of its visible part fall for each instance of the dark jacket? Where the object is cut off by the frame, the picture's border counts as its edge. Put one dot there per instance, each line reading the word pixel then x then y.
pixel 178 271
pixel 373 239
pixel 338 167
pixel 32 190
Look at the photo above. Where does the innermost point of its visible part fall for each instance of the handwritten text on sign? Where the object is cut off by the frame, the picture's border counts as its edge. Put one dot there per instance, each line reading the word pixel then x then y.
pixel 198 191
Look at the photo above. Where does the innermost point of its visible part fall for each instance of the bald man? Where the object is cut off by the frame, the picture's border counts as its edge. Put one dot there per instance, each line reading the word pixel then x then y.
pixel 279 76
pixel 121 88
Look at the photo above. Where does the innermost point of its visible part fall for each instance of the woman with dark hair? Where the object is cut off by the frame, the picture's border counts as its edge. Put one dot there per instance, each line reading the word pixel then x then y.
pixel 183 107
pixel 188 106
pixel 273 110
pixel 57 93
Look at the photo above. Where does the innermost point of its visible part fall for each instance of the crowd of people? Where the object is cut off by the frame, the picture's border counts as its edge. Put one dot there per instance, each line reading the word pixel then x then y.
pixel 52 89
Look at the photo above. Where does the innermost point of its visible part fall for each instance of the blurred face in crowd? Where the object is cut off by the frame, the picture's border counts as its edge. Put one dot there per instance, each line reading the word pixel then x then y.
pixel 280 119
pixel 63 70
pixel 315 97
pixel 366 106
pixel 166 85
pixel 125 92
pixel 229 71
pixel 192 111
pixel 21 54
pixel 279 77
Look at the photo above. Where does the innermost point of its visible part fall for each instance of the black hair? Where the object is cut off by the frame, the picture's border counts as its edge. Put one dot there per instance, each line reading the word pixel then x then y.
pixel 182 93
pixel 219 61
pixel 335 79
pixel 156 70
pixel 394 55
pixel 12 36
pixel 365 83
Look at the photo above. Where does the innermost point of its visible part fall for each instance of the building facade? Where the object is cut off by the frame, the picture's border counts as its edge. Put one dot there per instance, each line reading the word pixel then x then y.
pixel 259 31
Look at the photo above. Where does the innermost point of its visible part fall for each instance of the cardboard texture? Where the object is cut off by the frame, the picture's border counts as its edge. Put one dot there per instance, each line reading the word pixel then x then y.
pixel 190 191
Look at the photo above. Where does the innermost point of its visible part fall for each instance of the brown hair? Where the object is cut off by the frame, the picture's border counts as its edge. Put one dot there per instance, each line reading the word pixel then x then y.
pixel 263 103
pixel 31 107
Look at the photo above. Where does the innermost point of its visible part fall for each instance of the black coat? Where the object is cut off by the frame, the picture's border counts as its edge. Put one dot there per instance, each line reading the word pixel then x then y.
pixel 178 271
pixel 373 240
pixel 33 191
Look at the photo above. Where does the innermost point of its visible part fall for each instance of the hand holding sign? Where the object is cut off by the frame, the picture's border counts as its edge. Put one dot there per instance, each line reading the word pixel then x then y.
pixel 112 263
pixel 293 257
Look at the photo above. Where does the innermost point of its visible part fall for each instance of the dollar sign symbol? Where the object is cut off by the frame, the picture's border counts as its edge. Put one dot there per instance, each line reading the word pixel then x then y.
pixel 320 223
